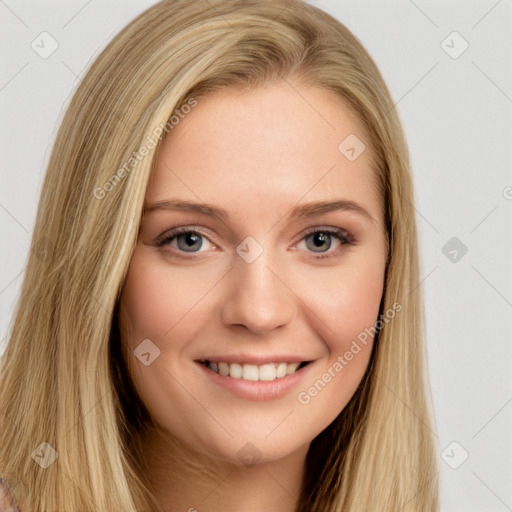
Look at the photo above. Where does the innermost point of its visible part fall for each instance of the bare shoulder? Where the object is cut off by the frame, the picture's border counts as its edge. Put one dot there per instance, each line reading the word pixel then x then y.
pixel 7 502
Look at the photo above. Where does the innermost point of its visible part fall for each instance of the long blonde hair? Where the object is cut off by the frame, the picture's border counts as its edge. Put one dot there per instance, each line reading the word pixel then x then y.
pixel 63 379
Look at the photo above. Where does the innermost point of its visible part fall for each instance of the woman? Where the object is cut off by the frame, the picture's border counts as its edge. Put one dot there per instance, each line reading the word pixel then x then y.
pixel 183 340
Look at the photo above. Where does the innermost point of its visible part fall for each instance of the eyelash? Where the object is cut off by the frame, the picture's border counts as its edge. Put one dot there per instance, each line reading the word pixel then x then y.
pixel 343 236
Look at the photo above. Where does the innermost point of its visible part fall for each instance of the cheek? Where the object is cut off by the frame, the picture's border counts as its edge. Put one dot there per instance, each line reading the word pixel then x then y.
pixel 347 298
pixel 355 302
pixel 158 303
pixel 149 309
pixel 346 303
pixel 166 306
pixel 154 307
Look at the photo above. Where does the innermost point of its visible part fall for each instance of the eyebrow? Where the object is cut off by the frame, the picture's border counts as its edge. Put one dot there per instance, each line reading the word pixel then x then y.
pixel 304 210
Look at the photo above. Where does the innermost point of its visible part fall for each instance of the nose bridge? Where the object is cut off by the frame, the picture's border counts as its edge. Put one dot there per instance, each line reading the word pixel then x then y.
pixel 258 297
pixel 257 277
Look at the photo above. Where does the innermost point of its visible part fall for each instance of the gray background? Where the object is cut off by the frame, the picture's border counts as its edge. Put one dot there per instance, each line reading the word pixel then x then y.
pixel 456 108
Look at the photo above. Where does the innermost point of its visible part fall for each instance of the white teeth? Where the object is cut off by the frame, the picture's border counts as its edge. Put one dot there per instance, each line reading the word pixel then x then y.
pixel 267 372
pixel 281 370
pixel 252 372
pixel 292 368
pixel 235 370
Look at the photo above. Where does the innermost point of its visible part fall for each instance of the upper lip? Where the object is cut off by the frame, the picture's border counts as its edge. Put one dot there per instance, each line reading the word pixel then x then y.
pixel 256 360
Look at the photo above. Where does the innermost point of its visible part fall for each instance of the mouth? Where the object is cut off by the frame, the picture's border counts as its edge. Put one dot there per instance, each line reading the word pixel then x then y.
pixel 252 372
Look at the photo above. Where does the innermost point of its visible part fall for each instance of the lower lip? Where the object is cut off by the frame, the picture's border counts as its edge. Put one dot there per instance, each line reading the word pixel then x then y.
pixel 257 390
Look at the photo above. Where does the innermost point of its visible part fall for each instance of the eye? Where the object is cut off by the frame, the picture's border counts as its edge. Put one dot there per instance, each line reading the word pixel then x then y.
pixel 182 239
pixel 320 240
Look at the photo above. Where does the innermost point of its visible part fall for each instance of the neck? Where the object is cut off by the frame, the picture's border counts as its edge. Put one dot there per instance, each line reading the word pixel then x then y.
pixel 184 480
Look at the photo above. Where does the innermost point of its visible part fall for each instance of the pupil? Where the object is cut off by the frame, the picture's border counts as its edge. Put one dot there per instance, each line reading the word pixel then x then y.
pixel 191 240
pixel 322 239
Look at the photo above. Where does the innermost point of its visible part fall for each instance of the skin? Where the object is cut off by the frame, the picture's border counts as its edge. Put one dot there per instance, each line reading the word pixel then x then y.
pixel 257 154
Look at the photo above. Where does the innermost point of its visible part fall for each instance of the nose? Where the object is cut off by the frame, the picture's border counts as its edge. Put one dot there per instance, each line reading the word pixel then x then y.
pixel 258 297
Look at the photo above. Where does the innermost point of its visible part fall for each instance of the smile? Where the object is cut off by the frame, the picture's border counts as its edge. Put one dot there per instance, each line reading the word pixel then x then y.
pixel 253 372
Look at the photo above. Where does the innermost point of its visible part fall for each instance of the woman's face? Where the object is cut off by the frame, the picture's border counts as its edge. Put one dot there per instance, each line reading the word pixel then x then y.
pixel 246 286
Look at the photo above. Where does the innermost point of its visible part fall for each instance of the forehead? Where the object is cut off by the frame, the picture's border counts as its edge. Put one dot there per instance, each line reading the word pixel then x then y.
pixel 257 151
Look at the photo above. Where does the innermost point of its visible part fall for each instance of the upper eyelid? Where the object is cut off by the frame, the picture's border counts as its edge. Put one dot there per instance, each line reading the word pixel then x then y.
pixel 179 230
pixel 172 233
